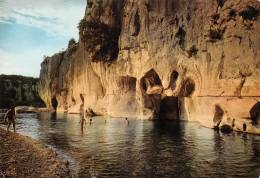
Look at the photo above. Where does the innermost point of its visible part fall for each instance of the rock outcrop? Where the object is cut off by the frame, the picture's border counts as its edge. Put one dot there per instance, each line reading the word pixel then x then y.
pixel 169 59
pixel 19 91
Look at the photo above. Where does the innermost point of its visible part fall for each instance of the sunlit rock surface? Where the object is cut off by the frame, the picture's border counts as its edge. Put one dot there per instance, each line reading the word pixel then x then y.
pixel 169 59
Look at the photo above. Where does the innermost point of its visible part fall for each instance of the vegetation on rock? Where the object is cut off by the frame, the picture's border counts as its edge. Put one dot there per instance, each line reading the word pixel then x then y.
pixel 18 90
pixel 232 13
pixel 72 42
pixel 192 51
pixel 100 40
pixel 215 17
pixel 181 35
pixel 215 35
pixel 250 13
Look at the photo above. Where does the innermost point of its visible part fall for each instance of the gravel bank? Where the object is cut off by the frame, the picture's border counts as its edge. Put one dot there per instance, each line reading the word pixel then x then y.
pixel 23 156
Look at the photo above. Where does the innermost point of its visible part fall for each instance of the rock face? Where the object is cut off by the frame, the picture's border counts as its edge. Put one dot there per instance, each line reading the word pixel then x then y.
pixel 19 91
pixel 169 59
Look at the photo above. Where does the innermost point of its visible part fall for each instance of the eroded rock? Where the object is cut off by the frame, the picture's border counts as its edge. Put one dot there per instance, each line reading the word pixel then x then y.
pixel 204 53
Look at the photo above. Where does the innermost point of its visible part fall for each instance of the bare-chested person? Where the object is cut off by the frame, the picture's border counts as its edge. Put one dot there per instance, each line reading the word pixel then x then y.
pixel 81 122
pixel 10 116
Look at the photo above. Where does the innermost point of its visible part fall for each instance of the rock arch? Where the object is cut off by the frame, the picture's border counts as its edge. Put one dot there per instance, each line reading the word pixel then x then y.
pixel 151 83
pixel 151 89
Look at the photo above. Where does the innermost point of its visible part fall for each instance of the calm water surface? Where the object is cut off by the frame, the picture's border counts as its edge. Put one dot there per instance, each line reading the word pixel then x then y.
pixel 144 148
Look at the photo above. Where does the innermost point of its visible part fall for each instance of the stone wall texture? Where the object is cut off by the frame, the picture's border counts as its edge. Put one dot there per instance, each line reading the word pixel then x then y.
pixel 193 60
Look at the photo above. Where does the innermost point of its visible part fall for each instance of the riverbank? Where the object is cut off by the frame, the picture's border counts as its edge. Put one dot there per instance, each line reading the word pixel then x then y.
pixel 25 157
pixel 27 109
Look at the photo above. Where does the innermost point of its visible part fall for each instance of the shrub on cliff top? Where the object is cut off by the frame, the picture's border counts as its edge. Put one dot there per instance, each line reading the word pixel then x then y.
pixel 71 43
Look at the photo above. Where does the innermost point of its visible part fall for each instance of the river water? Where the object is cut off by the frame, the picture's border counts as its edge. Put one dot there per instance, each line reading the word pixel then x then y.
pixel 144 148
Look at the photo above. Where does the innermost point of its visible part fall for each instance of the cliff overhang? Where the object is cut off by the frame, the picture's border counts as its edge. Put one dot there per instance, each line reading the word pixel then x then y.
pixel 169 59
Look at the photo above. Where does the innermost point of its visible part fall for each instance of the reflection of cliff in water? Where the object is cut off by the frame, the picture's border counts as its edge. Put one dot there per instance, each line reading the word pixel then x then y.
pixel 145 148
pixel 168 141
pixel 49 124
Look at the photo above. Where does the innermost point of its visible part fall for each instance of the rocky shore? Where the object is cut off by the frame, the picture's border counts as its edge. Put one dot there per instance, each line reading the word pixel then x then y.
pixel 21 156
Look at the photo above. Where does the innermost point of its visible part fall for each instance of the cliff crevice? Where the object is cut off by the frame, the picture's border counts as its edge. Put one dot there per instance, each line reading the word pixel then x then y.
pixel 175 59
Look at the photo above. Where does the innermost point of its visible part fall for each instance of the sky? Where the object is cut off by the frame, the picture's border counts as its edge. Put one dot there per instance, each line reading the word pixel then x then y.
pixel 32 29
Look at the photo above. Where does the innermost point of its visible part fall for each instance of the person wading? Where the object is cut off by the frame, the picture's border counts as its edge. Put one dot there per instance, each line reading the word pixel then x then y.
pixel 126 121
pixel 10 116
pixel 81 122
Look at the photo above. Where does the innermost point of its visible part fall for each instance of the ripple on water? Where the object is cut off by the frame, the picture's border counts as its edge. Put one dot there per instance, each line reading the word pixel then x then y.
pixel 144 148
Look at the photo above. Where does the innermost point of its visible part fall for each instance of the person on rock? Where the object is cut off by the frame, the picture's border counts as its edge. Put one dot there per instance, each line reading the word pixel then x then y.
pixel 90 121
pixel 233 123
pixel 244 127
pixel 10 116
pixel 82 121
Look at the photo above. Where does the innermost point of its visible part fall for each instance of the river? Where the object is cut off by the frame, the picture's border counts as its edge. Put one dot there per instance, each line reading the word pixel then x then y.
pixel 110 147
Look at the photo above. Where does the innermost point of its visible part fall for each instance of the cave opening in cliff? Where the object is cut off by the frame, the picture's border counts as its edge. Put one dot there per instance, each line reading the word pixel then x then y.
pixel 54 103
pixel 169 108
pixel 218 116
pixel 151 87
pixel 255 113
pixel 151 83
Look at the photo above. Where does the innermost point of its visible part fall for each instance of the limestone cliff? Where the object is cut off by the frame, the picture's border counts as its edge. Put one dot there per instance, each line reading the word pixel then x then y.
pixel 19 91
pixel 170 59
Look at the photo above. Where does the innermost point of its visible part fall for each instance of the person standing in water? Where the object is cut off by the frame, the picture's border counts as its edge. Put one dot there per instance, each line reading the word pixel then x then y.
pixel 10 116
pixel 126 121
pixel 81 122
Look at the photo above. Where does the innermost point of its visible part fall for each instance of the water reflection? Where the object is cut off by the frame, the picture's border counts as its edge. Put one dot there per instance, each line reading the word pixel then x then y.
pixel 109 147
